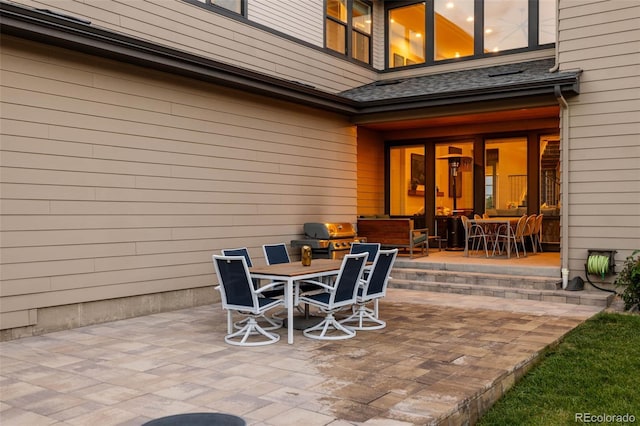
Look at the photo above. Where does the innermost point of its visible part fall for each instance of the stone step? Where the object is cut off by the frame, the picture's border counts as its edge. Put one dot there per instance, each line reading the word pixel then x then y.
pixel 511 269
pixel 475 278
pixel 601 299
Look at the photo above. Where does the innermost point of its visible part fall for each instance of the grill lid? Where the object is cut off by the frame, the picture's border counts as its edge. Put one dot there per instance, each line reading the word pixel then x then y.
pixel 329 231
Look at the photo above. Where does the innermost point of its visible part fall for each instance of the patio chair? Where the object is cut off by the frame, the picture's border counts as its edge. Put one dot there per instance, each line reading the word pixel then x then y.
pixel 515 237
pixel 276 253
pixel 537 233
pixel 239 294
pixel 277 291
pixel 475 235
pixel 342 292
pixel 374 288
pixel 529 229
pixel 369 248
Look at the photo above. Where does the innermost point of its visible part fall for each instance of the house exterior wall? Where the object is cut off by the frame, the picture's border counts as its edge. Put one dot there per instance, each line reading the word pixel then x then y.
pixel 193 29
pixel 302 19
pixel 370 172
pixel 120 182
pixel 602 39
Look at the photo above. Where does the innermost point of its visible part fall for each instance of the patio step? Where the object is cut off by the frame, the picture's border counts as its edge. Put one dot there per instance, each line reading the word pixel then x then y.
pixel 509 286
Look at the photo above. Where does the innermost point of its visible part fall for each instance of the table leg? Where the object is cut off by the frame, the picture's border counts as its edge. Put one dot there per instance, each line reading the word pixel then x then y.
pixel 289 297
pixel 466 244
pixel 509 230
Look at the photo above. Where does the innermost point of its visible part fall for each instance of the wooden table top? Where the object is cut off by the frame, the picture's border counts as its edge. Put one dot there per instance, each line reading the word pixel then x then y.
pixel 296 268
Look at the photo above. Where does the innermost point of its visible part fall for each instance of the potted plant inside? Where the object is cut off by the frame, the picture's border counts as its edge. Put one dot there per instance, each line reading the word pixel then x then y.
pixel 629 279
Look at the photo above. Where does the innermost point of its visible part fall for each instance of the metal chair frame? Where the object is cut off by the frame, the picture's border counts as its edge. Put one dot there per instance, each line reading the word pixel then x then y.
pixel 373 288
pixel 239 294
pixel 341 293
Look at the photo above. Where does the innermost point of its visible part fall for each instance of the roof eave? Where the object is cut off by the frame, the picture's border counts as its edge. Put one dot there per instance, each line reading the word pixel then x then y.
pixel 568 85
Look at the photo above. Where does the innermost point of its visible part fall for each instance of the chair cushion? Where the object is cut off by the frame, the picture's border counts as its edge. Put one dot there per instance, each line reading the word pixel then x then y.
pixel 419 239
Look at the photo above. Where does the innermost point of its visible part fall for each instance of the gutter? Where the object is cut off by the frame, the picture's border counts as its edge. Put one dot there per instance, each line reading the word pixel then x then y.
pixel 564 209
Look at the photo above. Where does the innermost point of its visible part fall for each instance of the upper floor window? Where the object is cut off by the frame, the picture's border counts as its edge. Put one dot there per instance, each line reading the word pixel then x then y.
pixel 235 6
pixel 348 28
pixel 426 32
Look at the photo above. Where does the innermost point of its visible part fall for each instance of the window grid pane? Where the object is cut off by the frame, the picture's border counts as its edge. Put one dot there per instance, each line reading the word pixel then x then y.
pixel 232 5
pixel 454 29
pixel 506 25
pixel 360 46
pixel 336 37
pixel 407 35
pixel 337 9
pixel 361 19
pixel 548 23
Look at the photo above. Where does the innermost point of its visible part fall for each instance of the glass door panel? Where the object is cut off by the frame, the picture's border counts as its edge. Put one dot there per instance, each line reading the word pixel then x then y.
pixel 506 176
pixel 454 175
pixel 407 180
pixel 550 190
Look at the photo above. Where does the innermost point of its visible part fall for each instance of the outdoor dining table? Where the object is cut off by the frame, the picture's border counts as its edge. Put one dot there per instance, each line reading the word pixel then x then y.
pixel 291 274
pixel 496 222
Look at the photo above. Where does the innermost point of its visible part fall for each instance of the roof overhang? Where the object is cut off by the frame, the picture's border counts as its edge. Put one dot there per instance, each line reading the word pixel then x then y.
pixel 48 27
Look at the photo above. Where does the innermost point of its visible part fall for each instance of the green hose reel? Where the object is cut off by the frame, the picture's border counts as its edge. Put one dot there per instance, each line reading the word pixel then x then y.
pixel 601 263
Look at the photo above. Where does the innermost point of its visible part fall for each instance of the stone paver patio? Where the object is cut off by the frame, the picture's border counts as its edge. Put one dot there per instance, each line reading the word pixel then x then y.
pixel 442 359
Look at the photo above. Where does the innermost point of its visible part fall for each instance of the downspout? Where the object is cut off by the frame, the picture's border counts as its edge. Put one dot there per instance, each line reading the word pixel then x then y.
pixel 564 208
pixel 557 61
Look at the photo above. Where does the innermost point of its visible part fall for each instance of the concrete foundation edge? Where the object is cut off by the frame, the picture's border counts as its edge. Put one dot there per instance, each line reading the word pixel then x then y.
pixel 65 317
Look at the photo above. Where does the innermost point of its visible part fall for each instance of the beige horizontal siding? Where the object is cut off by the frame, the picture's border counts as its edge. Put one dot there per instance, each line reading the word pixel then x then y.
pixel 370 173
pixel 181 25
pixel 602 39
pixel 118 181
pixel 303 20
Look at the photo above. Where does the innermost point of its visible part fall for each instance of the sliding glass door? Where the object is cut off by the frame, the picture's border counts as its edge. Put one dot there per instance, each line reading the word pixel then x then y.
pixel 407 179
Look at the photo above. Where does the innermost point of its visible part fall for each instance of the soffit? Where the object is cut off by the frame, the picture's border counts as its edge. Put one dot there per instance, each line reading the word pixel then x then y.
pixel 460 119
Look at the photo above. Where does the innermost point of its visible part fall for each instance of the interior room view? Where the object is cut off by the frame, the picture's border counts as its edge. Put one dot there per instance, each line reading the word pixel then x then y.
pixel 497 181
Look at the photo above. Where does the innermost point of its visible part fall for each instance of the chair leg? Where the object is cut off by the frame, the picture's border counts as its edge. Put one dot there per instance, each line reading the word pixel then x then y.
pixel 329 324
pixel 274 322
pixel 363 316
pixel 251 328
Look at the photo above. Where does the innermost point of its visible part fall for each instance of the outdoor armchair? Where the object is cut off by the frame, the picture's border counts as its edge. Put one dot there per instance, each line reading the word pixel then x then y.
pixel 239 294
pixel 373 289
pixel 341 293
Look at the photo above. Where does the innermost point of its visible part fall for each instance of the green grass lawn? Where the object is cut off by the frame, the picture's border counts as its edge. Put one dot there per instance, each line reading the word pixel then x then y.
pixel 595 370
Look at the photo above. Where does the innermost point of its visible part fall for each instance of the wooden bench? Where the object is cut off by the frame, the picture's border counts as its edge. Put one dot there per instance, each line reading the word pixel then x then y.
pixel 395 233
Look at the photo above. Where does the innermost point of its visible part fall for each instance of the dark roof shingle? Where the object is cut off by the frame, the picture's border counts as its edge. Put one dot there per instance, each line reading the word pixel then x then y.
pixel 500 77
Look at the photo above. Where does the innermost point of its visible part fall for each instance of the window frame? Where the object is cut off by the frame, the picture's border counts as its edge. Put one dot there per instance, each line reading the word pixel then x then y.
pixel 478 34
pixel 206 4
pixel 349 30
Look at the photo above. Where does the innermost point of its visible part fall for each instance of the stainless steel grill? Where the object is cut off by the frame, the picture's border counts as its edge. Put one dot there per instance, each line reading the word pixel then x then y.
pixel 328 240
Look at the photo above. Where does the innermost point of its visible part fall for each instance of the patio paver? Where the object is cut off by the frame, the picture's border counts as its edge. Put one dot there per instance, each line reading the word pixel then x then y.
pixel 442 359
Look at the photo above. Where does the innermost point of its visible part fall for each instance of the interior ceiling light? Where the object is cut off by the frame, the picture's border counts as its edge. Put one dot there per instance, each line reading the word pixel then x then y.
pixel 469 18
pixel 488 31
pixel 450 5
